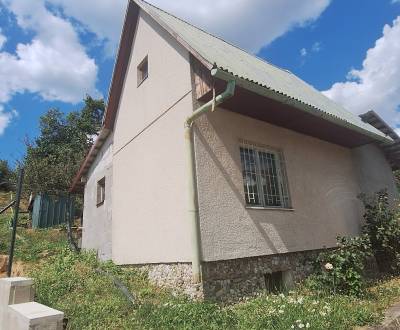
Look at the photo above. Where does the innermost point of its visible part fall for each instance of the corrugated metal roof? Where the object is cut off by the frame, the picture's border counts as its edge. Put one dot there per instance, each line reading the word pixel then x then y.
pixel 249 67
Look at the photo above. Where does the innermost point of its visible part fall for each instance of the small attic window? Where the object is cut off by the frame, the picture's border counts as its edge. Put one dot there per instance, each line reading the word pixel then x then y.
pixel 142 71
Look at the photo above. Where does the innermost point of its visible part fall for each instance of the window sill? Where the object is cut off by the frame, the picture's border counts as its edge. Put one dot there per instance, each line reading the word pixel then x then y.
pixel 100 204
pixel 270 208
pixel 141 82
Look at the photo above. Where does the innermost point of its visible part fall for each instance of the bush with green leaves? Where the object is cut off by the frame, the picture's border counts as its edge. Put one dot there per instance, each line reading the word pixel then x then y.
pixel 383 229
pixel 7 176
pixel 341 270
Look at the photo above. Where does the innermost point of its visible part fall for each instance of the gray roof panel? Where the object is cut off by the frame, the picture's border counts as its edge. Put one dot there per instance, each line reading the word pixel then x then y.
pixel 238 62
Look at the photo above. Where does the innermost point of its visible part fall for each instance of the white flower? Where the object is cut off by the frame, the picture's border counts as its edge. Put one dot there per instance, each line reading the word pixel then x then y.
pixel 322 313
pixel 281 311
pixel 298 321
pixel 307 325
pixel 281 295
pixel 315 302
pixel 328 266
pixel 292 326
pixel 301 325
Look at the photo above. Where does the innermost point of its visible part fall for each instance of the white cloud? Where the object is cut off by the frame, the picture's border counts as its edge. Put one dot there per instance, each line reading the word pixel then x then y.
pixel 54 64
pixel 103 17
pixel 251 24
pixel 3 39
pixel 316 47
pixel 377 84
pixel 5 118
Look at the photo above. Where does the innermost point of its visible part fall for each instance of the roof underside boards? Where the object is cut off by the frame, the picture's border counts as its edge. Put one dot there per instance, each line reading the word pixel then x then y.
pixel 392 151
pixel 243 65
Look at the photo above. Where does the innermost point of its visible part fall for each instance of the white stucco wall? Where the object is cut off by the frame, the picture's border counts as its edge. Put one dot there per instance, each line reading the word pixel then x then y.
pixel 149 191
pixel 96 234
pixel 322 180
pixel 374 172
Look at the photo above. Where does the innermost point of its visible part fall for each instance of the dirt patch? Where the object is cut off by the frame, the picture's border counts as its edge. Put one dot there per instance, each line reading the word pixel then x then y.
pixel 18 267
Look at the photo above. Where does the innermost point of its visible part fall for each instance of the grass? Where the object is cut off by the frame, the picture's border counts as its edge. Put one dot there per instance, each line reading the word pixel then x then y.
pixel 69 282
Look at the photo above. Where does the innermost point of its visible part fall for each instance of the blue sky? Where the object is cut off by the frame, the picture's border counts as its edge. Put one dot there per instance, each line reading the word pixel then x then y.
pixel 53 52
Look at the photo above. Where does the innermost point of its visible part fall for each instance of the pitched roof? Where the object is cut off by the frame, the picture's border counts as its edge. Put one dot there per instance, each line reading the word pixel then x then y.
pixel 391 151
pixel 214 51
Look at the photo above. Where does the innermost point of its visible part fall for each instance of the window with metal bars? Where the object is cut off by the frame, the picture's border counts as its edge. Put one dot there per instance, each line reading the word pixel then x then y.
pixel 264 177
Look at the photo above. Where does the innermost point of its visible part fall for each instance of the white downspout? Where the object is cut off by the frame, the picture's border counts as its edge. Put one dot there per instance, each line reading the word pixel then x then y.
pixel 193 209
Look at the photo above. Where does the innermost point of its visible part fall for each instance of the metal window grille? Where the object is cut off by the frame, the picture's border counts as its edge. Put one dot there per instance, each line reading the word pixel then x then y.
pixel 264 176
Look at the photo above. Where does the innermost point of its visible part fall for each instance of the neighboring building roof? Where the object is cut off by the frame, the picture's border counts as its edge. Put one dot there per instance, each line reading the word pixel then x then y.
pixel 391 151
pixel 217 52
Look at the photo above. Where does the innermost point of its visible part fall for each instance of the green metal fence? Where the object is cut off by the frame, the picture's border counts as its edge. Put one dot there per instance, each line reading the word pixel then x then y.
pixel 50 211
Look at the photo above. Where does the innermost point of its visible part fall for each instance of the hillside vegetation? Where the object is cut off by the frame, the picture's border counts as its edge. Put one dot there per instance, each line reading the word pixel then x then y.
pixel 71 282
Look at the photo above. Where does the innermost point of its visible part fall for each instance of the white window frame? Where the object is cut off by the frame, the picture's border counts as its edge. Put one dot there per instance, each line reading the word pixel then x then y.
pixel 101 191
pixel 281 177
pixel 142 74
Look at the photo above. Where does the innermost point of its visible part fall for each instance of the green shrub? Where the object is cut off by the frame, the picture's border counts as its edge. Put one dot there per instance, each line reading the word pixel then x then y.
pixel 383 228
pixel 340 270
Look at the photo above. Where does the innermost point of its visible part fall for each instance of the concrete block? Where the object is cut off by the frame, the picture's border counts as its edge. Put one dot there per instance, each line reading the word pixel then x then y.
pixel 14 290
pixel 33 316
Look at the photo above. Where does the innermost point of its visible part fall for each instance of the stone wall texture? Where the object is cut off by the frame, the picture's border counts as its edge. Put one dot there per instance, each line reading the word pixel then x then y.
pixel 231 280
pixel 238 278
pixel 174 276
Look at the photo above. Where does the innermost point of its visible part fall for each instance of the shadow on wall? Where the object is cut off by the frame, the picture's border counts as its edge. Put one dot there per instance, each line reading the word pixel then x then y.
pixel 278 228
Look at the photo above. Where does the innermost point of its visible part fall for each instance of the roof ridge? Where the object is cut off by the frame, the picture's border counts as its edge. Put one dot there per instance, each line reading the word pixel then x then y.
pixel 215 36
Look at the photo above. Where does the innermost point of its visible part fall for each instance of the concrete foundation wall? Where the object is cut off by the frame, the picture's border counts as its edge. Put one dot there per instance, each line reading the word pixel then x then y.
pixel 149 192
pixel 322 180
pixel 97 219
pixel 374 172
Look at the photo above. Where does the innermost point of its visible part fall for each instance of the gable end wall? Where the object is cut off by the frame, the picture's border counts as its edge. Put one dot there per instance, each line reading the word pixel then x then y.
pixel 149 192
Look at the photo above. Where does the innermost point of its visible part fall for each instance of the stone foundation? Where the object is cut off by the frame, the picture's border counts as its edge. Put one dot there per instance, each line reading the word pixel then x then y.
pixel 239 278
pixel 234 279
pixel 176 276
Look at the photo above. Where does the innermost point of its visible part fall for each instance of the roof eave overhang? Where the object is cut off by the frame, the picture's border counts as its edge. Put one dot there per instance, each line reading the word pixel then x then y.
pixel 114 94
pixel 77 184
pixel 254 87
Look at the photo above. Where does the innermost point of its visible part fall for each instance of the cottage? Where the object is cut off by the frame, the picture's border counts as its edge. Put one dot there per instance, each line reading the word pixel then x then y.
pixel 220 173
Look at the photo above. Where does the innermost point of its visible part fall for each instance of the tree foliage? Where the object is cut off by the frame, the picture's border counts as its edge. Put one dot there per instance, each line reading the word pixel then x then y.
pixel 383 228
pixel 397 178
pixel 54 157
pixel 7 176
pixel 341 270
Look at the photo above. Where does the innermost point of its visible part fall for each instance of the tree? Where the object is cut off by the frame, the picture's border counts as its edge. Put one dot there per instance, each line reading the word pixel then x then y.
pixel 54 157
pixel 7 176
pixel 397 178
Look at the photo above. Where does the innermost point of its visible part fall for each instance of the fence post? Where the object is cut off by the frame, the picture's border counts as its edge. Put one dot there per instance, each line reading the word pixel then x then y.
pixel 15 220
